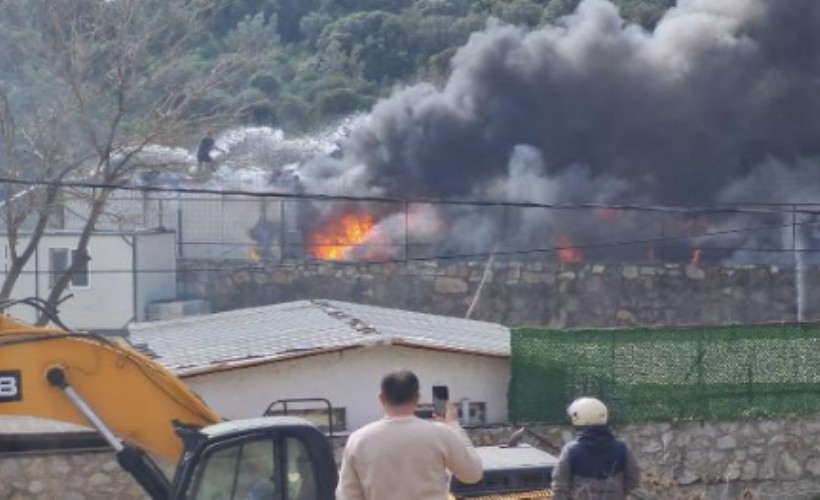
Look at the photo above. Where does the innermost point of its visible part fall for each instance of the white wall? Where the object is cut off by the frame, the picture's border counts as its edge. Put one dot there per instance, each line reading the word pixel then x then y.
pixel 108 302
pixel 156 269
pixel 208 226
pixel 351 378
pixel 125 212
pixel 216 227
pixel 26 285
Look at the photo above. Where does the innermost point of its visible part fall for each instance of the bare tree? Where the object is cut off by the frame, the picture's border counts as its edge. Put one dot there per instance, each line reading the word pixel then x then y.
pixel 90 84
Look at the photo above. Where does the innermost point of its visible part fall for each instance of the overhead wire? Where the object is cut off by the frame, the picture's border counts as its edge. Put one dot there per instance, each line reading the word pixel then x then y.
pixel 696 210
pixel 262 265
pixel 752 208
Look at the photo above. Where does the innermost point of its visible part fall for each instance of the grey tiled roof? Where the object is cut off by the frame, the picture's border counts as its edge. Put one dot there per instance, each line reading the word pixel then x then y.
pixel 249 336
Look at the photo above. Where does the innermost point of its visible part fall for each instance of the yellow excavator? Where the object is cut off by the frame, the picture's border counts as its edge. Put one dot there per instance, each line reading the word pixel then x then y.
pixel 146 413
pixel 140 407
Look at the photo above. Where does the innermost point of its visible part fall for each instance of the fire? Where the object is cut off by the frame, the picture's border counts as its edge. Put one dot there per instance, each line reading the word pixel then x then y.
pixel 335 240
pixel 567 253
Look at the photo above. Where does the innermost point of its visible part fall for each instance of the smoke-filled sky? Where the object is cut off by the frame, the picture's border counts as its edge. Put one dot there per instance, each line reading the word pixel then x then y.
pixel 675 116
pixel 720 103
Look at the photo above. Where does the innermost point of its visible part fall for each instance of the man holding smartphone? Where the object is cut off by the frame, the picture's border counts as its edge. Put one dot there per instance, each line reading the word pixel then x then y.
pixel 403 457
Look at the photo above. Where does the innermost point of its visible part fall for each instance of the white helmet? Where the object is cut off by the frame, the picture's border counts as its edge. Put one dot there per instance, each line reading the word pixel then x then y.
pixel 587 411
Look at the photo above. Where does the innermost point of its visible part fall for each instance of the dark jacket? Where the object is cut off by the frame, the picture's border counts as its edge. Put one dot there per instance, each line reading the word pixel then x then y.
pixel 595 466
pixel 203 152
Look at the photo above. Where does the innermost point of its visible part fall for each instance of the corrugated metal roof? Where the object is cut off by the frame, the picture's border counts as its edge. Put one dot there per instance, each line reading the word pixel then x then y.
pixel 261 334
pixel 432 330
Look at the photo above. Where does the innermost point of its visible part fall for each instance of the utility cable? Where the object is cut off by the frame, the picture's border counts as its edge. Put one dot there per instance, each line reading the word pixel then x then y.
pixel 482 255
pixel 756 208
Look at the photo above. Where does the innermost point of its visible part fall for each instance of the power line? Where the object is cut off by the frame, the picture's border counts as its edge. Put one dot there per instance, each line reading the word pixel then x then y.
pixel 756 208
pixel 483 255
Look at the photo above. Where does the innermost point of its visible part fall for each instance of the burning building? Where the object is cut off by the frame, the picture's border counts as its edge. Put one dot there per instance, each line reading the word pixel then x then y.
pixel 717 108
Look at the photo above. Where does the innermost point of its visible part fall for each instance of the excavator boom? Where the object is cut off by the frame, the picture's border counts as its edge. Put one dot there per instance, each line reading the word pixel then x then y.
pixel 135 397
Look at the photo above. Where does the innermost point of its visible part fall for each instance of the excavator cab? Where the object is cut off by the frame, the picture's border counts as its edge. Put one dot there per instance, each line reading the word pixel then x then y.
pixel 281 458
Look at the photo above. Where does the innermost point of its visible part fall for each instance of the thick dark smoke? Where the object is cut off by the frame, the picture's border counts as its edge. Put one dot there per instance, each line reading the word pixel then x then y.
pixel 719 99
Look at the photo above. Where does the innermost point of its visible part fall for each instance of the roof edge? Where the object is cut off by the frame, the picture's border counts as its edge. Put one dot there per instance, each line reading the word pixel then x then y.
pixel 453 350
pixel 250 363
pixel 277 358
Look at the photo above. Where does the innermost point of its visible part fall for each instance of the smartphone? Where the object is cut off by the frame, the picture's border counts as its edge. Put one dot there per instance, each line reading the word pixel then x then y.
pixel 441 394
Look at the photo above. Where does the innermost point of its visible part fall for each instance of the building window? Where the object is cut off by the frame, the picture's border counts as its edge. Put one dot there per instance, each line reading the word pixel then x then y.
pixel 477 415
pixel 60 259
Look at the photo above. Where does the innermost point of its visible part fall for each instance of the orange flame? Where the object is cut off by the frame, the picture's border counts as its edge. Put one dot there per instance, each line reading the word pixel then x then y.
pixel 567 253
pixel 335 240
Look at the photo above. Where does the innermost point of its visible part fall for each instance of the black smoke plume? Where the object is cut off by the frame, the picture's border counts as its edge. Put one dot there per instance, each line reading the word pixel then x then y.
pixel 720 98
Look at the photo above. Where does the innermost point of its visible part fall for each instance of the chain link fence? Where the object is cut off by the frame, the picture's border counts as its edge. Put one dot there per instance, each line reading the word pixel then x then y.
pixel 208 226
pixel 256 226
pixel 665 374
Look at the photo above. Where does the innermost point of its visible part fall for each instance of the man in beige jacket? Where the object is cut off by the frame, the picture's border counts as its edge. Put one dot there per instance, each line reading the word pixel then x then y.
pixel 402 457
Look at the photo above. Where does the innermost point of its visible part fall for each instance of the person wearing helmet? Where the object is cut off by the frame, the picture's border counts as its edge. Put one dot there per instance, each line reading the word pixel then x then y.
pixel 596 465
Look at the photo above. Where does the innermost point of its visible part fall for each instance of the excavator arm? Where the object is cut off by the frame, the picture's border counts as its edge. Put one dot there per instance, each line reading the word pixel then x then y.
pixel 135 397
pixel 145 412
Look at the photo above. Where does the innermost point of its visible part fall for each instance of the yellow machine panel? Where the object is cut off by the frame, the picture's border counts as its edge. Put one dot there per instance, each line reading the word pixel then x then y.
pixel 133 395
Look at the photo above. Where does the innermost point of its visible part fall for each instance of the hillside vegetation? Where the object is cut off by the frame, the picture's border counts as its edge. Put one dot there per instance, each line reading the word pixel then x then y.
pixel 319 59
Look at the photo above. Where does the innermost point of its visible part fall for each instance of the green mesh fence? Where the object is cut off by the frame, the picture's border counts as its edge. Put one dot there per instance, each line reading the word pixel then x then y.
pixel 669 373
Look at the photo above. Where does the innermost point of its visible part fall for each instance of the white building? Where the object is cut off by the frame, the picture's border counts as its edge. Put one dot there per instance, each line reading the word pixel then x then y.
pixel 208 226
pixel 127 271
pixel 241 361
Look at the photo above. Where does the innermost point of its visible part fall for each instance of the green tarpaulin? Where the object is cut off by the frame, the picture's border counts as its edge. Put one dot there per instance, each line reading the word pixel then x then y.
pixel 667 373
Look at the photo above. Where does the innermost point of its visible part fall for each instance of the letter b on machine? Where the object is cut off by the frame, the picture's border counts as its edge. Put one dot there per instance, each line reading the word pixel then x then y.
pixel 10 387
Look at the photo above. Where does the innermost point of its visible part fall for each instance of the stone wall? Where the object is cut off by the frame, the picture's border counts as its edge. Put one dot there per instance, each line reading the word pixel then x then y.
pixel 66 476
pixel 519 293
pixel 764 459
pixel 772 459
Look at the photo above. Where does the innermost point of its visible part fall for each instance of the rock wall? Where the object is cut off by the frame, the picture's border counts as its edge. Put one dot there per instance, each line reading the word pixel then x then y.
pixel 761 459
pixel 764 459
pixel 66 476
pixel 519 292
